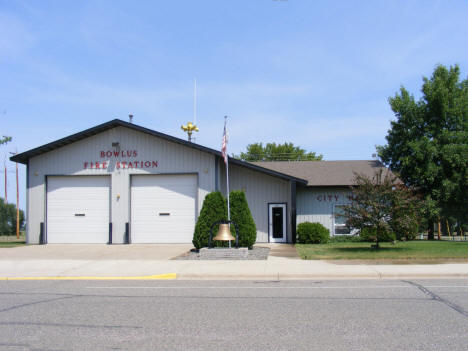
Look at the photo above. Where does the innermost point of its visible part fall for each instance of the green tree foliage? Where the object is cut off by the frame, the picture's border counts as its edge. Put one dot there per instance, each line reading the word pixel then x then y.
pixel 382 205
pixel 214 209
pixel 8 218
pixel 277 152
pixel 240 214
pixel 5 139
pixel 370 234
pixel 406 213
pixel 427 145
pixel 312 233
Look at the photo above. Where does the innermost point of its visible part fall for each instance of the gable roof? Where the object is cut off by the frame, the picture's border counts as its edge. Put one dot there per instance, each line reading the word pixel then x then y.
pixel 25 156
pixel 325 173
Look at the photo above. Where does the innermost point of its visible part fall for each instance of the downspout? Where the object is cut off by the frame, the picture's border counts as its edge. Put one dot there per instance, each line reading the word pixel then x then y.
pixel 293 211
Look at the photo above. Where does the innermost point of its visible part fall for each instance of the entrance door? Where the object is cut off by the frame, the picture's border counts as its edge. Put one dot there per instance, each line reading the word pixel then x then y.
pixel 277 222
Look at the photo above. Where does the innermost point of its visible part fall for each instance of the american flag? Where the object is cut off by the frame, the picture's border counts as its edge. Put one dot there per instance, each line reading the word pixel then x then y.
pixel 224 145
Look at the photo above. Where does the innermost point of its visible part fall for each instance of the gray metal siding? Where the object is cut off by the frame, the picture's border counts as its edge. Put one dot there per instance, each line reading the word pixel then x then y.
pixel 316 204
pixel 260 189
pixel 69 160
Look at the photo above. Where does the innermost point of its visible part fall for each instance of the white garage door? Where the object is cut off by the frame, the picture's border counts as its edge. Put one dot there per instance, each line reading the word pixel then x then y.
pixel 78 209
pixel 163 208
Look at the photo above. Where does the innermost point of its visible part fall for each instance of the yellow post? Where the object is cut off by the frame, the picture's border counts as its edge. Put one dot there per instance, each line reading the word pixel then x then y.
pixel 448 229
pixel 17 203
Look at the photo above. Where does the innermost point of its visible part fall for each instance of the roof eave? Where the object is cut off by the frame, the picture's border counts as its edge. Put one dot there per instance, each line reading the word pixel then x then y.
pixel 266 170
pixel 25 156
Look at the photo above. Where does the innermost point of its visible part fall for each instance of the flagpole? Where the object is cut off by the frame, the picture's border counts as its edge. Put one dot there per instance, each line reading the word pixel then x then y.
pixel 227 176
pixel 227 188
pixel 226 160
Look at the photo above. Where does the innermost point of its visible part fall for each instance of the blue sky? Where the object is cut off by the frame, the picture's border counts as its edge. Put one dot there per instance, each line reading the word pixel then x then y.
pixel 316 73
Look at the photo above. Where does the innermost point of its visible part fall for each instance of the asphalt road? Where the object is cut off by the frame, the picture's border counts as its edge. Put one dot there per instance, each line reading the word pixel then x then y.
pixel 234 315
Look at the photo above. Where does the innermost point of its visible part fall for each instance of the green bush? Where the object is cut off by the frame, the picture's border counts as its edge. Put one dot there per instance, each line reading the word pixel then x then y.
pixel 406 226
pixel 214 209
pixel 346 239
pixel 240 214
pixel 370 234
pixel 312 233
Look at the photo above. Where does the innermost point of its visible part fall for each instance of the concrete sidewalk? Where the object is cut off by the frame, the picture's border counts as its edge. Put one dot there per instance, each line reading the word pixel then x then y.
pixel 124 261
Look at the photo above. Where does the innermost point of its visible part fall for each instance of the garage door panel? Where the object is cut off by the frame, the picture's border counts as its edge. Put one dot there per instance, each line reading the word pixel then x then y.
pixel 85 196
pixel 163 192
pixel 158 209
pixel 173 196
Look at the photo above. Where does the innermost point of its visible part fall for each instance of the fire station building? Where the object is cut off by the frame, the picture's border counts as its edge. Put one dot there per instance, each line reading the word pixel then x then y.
pixel 122 183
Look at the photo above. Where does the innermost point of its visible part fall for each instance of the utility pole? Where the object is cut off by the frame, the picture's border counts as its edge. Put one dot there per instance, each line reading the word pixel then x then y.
pixel 17 202
pixel 6 191
pixel 17 198
pixel 5 140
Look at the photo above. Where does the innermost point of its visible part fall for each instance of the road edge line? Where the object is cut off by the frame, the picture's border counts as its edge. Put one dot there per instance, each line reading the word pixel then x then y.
pixel 166 276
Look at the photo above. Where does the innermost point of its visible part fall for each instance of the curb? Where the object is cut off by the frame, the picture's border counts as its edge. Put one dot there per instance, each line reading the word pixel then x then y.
pixel 240 276
pixel 168 276
pixel 318 276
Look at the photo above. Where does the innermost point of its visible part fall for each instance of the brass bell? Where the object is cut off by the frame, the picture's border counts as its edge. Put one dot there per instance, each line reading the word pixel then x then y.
pixel 224 233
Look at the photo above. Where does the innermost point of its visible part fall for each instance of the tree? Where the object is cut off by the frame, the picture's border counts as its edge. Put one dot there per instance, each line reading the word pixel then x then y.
pixel 277 152
pixel 5 139
pixel 241 215
pixel 383 206
pixel 427 145
pixel 214 209
pixel 8 218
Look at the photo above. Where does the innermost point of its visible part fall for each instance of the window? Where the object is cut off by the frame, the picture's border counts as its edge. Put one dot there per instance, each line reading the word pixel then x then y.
pixel 339 223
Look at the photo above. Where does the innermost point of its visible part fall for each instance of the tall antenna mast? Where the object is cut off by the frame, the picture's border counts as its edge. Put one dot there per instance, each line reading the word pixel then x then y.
pixel 191 127
pixel 195 101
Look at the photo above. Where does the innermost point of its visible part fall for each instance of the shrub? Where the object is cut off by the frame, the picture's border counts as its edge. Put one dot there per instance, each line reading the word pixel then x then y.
pixel 312 233
pixel 406 225
pixel 240 214
pixel 346 239
pixel 214 209
pixel 370 234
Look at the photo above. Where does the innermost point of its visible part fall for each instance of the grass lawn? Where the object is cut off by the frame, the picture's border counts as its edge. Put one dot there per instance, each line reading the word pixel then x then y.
pixel 405 250
pixel 12 241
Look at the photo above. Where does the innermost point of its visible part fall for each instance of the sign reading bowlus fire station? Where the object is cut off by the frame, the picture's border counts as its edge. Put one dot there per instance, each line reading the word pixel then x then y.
pixel 131 161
